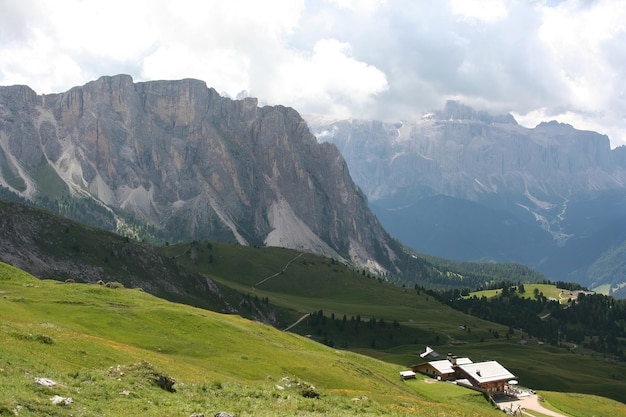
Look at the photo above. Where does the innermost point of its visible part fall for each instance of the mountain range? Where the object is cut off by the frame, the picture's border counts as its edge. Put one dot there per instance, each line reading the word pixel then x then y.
pixel 174 160
pixel 472 186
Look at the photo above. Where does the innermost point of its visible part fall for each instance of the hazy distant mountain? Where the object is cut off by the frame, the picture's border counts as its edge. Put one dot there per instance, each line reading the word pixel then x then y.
pixel 186 163
pixel 552 197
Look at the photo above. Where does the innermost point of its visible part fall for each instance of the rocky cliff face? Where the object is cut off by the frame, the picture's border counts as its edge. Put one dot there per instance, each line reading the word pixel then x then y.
pixel 475 156
pixel 558 181
pixel 468 154
pixel 190 163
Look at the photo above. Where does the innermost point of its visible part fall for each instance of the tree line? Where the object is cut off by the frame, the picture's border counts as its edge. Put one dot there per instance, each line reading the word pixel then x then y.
pixel 595 321
pixel 431 272
pixel 356 331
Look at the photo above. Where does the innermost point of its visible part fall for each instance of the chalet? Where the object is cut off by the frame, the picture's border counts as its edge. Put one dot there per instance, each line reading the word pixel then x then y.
pixel 444 369
pixel 489 377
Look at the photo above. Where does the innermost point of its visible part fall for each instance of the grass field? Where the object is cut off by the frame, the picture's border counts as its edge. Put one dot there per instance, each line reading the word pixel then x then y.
pixel 583 405
pixel 105 348
pixel 548 290
pixel 310 284
pixel 603 289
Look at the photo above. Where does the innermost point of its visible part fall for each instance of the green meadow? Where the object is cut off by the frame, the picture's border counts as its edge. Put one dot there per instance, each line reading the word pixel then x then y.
pixel 302 284
pixel 110 349
pixel 106 349
pixel 548 291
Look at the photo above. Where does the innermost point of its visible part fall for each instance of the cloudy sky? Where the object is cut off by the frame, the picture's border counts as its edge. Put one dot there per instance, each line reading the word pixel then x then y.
pixel 390 60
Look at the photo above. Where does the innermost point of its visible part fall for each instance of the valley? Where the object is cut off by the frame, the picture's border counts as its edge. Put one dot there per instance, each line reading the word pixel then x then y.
pixel 105 347
pixel 352 311
pixel 205 226
pixel 349 308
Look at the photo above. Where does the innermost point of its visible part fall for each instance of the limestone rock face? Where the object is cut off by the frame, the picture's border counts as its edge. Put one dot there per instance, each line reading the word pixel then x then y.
pixel 472 155
pixel 190 163
pixel 550 197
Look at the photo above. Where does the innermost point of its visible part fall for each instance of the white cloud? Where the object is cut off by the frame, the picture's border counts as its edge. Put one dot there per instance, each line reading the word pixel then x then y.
pixel 102 28
pixel 177 61
pixel 584 41
pixel 38 65
pixel 329 79
pixel 386 59
pixel 480 10
pixel 361 6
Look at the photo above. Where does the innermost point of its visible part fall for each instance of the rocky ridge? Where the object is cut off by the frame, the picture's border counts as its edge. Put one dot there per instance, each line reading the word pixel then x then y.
pixel 549 191
pixel 468 154
pixel 194 165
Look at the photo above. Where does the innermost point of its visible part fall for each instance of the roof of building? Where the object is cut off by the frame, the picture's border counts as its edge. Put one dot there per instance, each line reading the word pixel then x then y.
pixel 444 366
pixel 429 352
pixel 484 372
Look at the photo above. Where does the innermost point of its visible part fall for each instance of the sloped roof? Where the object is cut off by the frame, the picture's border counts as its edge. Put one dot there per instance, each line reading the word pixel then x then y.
pixel 407 374
pixel 484 372
pixel 444 366
pixel 429 351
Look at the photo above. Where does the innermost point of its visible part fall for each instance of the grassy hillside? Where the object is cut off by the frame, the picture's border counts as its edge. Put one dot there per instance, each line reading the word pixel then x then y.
pixel 50 246
pixel 302 283
pixel 106 349
pixel 277 285
pixel 299 283
pixel 110 350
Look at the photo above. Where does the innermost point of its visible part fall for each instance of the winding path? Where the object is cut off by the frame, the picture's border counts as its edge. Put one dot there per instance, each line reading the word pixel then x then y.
pixel 297 322
pixel 278 273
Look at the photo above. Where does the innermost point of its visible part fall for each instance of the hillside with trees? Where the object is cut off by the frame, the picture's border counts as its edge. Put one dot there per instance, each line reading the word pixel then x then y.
pixel 592 321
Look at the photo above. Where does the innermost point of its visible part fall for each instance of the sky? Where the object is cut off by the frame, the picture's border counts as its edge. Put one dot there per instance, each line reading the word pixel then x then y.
pixel 390 60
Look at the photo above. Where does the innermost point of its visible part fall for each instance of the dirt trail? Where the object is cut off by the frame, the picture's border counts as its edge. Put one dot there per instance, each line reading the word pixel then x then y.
pixel 278 273
pixel 529 403
pixel 297 322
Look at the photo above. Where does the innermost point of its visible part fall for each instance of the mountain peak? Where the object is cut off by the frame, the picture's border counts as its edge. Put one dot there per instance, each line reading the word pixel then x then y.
pixel 553 124
pixel 455 110
pixel 193 165
pixel 17 95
